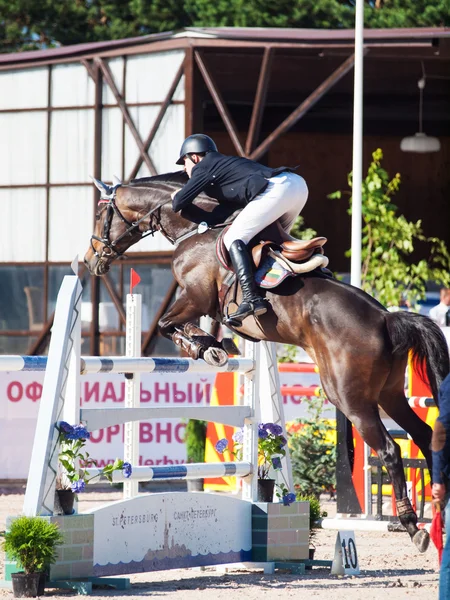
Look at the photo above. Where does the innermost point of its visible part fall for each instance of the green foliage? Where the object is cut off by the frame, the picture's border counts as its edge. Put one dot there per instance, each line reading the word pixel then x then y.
pixel 31 542
pixel 301 232
pixel 404 13
pixel 315 512
pixel 388 241
pixel 271 448
pixel 74 459
pixel 31 24
pixel 195 441
pixel 313 452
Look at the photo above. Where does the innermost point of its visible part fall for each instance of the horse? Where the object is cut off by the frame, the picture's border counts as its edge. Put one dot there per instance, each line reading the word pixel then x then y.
pixel 360 348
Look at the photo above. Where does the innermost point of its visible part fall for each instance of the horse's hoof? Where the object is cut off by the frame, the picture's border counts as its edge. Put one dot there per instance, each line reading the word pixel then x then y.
pixel 421 539
pixel 215 357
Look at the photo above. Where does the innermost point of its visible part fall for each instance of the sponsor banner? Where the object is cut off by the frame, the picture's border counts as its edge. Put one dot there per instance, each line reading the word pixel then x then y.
pixel 161 440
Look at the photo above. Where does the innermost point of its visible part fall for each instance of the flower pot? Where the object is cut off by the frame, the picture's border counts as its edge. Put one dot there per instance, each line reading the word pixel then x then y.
pixel 311 557
pixel 25 585
pixel 42 583
pixel 265 490
pixel 195 485
pixel 66 499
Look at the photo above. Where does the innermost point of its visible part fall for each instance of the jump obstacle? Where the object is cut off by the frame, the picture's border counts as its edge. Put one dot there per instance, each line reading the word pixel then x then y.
pixel 162 530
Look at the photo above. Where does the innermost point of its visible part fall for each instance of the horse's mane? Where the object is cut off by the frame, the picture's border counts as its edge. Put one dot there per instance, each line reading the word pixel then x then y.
pixel 204 208
pixel 178 177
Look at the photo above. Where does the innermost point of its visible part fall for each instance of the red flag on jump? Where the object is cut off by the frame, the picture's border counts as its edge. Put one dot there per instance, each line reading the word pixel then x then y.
pixel 134 280
pixel 436 530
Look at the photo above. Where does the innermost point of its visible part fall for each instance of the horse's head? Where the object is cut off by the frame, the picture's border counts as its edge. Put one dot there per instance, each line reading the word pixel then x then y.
pixel 119 225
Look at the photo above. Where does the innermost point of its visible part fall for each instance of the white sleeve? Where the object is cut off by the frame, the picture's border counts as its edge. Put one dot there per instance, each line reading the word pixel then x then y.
pixel 433 313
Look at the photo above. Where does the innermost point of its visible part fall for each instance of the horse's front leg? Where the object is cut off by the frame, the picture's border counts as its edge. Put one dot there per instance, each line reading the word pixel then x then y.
pixel 175 326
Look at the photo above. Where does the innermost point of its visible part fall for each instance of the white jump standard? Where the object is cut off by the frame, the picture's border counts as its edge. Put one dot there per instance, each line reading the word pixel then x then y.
pixel 159 530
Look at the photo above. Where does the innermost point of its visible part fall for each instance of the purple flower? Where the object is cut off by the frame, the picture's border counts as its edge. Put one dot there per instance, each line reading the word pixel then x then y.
pixel 78 486
pixel 222 445
pixel 288 499
pixel 74 432
pixel 283 441
pixel 262 433
pixel 273 428
pixel 127 469
pixel 65 427
pixel 276 462
pixel 238 437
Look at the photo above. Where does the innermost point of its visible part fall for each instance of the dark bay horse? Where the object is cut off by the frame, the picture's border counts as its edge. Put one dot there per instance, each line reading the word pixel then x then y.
pixel 361 349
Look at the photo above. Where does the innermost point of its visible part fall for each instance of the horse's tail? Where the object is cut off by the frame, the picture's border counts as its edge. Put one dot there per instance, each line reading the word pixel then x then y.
pixel 411 331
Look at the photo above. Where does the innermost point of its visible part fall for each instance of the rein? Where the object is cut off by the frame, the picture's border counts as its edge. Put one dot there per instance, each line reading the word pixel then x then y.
pixel 109 246
pixel 110 250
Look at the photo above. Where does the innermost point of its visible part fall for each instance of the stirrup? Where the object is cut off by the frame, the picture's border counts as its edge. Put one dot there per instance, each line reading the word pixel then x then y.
pixel 255 307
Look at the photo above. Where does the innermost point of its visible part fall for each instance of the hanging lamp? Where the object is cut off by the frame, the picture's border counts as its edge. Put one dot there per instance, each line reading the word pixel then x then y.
pixel 420 142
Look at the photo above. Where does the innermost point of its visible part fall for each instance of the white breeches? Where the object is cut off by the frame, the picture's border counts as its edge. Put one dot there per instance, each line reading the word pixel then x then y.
pixel 283 199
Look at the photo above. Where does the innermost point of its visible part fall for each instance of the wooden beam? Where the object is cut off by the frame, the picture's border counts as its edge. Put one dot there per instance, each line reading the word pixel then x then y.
pixel 218 101
pixel 303 108
pixel 89 68
pixel 153 329
pixel 126 114
pixel 162 111
pixel 260 99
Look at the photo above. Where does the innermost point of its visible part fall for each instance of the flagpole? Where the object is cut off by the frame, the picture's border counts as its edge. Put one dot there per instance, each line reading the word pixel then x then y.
pixel 355 267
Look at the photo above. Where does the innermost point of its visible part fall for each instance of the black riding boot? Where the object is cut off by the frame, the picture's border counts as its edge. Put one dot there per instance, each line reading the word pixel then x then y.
pixel 252 303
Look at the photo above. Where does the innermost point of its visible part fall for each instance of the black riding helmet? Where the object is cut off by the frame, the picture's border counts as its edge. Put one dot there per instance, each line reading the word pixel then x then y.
pixel 196 144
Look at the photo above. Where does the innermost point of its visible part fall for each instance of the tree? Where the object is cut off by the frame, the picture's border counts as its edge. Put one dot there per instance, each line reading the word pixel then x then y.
pixel 313 452
pixel 404 13
pixel 388 241
pixel 32 24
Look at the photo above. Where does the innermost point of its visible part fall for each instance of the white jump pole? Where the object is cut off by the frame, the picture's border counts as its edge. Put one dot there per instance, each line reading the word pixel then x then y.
pixel 132 389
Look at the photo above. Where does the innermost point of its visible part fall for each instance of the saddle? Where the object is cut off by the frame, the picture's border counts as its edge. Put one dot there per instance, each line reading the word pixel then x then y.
pixel 276 257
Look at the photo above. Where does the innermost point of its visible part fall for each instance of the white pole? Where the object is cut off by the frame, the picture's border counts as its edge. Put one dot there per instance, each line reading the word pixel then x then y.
pixel 355 272
pixel 355 267
pixel 132 389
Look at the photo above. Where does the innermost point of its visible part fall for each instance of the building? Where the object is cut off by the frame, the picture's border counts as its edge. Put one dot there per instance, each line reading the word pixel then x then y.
pixel 281 96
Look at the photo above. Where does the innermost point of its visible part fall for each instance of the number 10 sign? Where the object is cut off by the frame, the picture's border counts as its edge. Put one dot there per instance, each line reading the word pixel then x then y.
pixel 345 560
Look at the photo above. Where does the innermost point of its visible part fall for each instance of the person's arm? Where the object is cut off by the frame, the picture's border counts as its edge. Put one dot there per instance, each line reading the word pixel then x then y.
pixel 440 443
pixel 196 184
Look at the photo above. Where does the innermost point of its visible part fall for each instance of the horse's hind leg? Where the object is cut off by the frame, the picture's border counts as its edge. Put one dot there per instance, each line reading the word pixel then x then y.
pixel 375 435
pixel 396 406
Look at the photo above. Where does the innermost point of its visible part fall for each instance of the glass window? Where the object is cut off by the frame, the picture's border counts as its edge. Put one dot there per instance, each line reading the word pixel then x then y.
pixel 16 344
pixel 21 298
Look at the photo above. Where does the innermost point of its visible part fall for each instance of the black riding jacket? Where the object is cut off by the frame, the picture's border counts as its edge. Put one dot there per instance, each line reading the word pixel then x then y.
pixel 226 179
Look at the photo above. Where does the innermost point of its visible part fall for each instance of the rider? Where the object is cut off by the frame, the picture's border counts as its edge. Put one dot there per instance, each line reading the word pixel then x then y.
pixel 265 194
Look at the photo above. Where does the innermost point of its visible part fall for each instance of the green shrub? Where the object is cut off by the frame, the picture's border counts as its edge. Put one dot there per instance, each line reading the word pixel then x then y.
pixel 313 452
pixel 195 441
pixel 315 513
pixel 31 542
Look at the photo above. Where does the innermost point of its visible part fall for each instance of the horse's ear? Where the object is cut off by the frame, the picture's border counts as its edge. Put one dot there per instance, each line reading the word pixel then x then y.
pixel 116 180
pixel 103 187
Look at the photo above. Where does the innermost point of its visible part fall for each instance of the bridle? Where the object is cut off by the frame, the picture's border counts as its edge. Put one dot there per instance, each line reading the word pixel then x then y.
pixel 109 249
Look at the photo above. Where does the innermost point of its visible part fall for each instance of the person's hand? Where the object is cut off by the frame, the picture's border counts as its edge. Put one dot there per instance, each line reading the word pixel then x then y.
pixel 438 493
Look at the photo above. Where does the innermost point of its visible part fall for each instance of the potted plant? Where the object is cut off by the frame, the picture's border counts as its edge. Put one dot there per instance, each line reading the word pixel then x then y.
pixel 315 514
pixel 31 542
pixel 271 448
pixel 313 451
pixel 73 462
pixel 195 449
